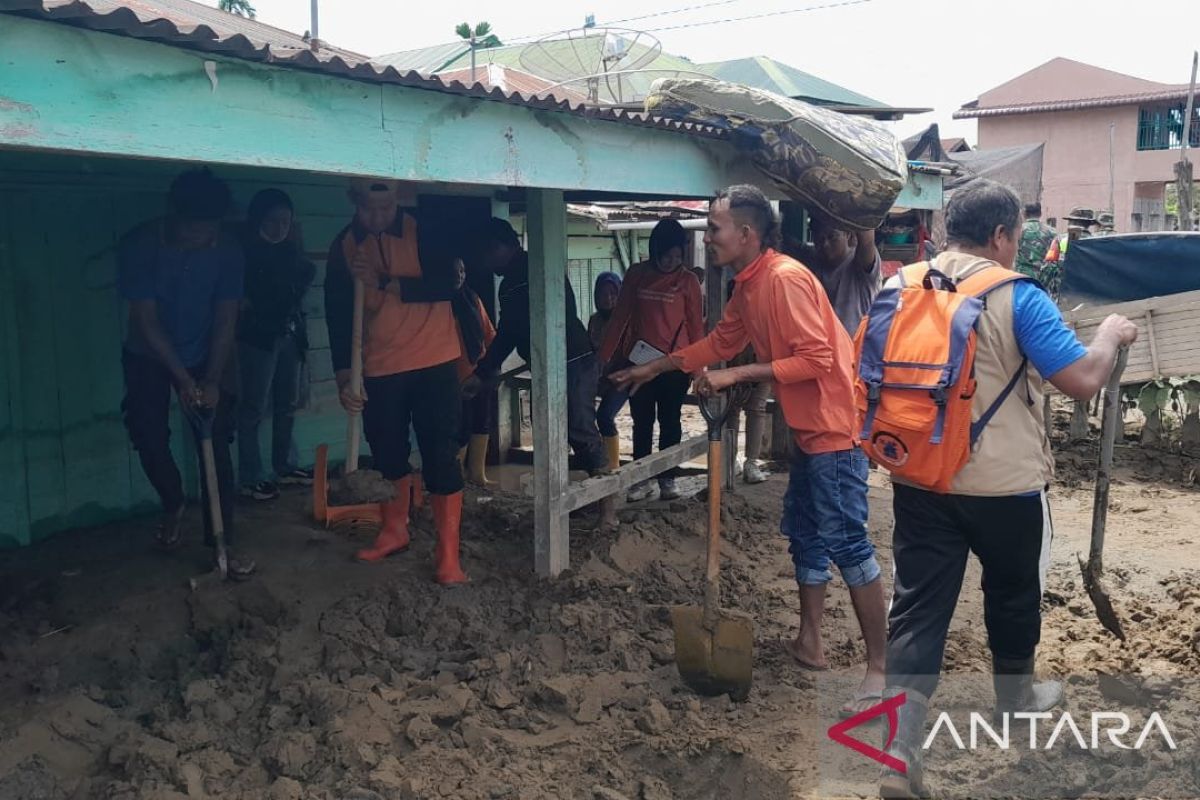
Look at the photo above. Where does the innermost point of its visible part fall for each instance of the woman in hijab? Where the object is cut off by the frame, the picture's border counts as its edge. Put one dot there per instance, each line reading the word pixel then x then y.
pixel 272 342
pixel 659 311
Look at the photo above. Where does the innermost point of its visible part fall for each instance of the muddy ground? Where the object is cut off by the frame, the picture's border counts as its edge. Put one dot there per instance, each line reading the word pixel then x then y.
pixel 327 680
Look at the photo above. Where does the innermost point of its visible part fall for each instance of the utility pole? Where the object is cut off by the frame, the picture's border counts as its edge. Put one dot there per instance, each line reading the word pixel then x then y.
pixel 315 36
pixel 1183 169
pixel 1112 178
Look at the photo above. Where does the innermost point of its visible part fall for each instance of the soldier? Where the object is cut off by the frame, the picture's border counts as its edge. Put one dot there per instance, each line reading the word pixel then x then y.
pixel 1036 238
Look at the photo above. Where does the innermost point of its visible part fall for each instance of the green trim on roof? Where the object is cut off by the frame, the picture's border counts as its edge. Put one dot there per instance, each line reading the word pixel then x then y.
pixel 774 76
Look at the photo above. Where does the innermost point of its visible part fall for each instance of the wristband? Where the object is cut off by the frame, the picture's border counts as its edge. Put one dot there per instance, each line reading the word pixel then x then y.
pixel 384 282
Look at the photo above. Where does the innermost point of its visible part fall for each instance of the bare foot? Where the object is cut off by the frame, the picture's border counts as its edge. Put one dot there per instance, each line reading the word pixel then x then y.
pixel 807 653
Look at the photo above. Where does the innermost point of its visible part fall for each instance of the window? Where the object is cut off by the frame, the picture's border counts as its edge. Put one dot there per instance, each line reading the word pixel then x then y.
pixel 1161 127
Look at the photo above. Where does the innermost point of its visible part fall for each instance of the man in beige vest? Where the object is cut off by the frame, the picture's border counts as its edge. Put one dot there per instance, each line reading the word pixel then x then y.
pixel 997 506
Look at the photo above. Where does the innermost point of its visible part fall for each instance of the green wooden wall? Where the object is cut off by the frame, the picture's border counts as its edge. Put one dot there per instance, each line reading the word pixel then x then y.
pixel 64 454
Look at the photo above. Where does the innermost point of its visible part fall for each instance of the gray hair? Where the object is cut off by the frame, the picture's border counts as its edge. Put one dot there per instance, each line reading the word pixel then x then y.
pixel 977 209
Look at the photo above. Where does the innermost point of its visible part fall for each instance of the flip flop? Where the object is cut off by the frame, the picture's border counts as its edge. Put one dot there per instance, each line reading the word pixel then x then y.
pixel 859 703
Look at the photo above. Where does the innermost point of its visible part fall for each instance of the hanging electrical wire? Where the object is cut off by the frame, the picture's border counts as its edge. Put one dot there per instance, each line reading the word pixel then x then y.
pixel 764 15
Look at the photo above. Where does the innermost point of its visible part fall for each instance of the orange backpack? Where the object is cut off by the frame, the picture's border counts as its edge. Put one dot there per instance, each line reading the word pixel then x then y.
pixel 915 373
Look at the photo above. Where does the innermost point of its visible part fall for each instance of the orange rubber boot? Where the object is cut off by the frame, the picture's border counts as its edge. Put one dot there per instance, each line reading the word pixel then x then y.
pixel 393 536
pixel 447 514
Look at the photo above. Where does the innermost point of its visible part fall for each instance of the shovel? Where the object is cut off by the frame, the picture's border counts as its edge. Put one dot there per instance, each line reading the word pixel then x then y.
pixel 1093 568
pixel 201 419
pixel 714 648
pixel 366 511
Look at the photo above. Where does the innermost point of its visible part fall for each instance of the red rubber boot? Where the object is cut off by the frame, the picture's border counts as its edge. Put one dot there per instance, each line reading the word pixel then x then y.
pixel 393 536
pixel 447 514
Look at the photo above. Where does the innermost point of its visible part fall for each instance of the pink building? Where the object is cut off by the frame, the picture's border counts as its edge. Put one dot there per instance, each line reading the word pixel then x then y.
pixel 1070 107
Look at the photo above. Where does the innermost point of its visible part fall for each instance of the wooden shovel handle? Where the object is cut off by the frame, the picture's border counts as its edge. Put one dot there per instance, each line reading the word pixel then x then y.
pixel 354 420
pixel 1109 420
pixel 712 570
pixel 214 504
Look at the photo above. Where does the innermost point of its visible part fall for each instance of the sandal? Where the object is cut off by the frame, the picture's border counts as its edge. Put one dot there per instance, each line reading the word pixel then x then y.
pixel 170 530
pixel 859 703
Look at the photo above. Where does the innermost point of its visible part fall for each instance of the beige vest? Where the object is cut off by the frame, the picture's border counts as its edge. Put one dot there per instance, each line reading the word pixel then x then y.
pixel 1012 455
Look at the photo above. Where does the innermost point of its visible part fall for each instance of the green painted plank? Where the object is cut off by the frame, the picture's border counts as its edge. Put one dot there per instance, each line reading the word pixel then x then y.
pixel 37 287
pixel 70 89
pixel 14 501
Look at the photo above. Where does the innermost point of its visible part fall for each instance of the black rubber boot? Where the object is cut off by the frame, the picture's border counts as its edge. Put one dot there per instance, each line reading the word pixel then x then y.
pixel 1016 689
pixel 906 747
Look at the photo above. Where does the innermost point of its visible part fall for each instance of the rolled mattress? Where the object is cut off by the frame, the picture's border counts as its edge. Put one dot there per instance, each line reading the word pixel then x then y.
pixel 848 167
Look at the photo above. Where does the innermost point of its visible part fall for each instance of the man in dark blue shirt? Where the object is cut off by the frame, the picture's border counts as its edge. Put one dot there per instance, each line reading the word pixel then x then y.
pixel 182 278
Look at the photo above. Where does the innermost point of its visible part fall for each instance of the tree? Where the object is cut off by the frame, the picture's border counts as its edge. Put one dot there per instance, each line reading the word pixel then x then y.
pixel 481 37
pixel 242 8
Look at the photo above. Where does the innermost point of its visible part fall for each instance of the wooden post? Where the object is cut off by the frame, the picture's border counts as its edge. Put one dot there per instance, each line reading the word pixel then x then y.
pixel 546 218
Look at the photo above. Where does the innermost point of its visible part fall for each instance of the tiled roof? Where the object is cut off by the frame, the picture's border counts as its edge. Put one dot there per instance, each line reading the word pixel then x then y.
pixel 972 109
pixel 182 23
pixel 511 80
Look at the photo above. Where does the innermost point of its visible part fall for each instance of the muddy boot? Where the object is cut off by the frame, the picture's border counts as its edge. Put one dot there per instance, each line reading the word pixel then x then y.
pixel 393 536
pixel 1017 691
pixel 639 492
pixel 754 472
pixel 612 451
pixel 477 461
pixel 447 515
pixel 906 747
pixel 667 490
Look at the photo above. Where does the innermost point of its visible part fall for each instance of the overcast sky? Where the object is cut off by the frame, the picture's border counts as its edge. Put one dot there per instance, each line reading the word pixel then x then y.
pixel 931 53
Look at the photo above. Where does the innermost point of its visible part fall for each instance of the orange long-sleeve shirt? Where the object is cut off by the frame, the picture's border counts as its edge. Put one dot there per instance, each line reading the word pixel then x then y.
pixel 662 308
pixel 466 367
pixel 780 308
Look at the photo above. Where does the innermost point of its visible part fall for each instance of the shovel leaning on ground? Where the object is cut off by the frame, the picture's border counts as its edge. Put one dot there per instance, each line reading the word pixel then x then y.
pixel 714 648
pixel 1093 568
pixel 365 511
pixel 201 418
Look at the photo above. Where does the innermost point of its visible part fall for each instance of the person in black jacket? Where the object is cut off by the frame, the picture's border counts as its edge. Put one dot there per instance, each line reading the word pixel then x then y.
pixel 272 341
pixel 503 254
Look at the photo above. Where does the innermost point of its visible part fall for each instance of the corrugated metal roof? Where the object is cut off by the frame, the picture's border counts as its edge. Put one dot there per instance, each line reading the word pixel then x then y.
pixel 972 110
pixel 425 60
pixel 775 76
pixel 182 25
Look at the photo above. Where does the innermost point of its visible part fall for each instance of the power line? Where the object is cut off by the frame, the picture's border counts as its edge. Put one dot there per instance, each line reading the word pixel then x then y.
pixel 764 15
pixel 672 11
pixel 608 23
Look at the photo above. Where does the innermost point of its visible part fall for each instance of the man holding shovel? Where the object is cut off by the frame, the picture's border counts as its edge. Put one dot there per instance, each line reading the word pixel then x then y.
pixel 182 278
pixel 410 348
pixel 780 308
pixel 996 507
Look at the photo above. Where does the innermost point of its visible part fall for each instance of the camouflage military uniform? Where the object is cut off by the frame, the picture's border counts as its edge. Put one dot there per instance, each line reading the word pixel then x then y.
pixel 1035 241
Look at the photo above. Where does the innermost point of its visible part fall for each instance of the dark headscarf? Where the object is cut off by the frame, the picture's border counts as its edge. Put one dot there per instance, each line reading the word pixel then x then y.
pixel 262 204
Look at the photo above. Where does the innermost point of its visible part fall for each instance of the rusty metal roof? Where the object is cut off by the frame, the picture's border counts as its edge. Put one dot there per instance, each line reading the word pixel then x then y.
pixel 186 24
pixel 972 109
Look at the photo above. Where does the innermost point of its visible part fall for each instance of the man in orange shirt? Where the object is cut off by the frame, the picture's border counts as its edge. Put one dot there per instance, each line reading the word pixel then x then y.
pixel 412 341
pixel 779 306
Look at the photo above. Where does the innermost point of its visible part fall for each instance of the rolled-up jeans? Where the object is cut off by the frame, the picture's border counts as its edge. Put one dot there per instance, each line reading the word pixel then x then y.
pixel 825 518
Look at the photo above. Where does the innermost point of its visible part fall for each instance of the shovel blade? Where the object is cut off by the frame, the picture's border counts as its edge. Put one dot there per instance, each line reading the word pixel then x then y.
pixel 1098 593
pixel 717 661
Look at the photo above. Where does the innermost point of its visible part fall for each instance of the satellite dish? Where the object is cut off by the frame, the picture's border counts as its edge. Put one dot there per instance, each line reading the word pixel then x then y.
pixel 604 64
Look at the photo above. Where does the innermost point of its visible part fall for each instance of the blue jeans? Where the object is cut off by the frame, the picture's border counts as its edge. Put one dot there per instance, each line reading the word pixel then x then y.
pixel 825 518
pixel 611 402
pixel 270 383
